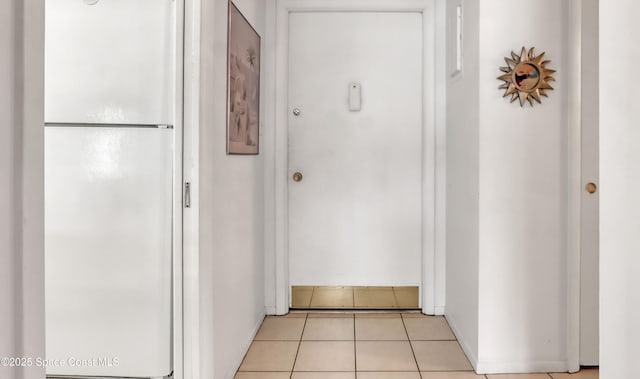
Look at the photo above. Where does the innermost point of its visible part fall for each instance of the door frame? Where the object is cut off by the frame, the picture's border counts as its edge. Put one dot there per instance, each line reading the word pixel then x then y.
pixel 187 350
pixel 589 173
pixel 179 298
pixel 578 108
pixel 433 165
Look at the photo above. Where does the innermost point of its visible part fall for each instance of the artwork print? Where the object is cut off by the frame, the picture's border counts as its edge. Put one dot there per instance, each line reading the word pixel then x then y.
pixel 243 116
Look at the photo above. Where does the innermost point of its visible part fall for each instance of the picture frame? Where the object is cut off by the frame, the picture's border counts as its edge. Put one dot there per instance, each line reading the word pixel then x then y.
pixel 243 85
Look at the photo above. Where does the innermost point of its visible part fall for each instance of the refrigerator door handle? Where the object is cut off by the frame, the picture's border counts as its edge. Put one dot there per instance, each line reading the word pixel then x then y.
pixel 103 125
pixel 187 195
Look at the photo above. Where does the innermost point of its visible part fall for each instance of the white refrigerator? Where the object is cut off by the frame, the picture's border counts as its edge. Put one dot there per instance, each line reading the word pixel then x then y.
pixel 109 74
pixel 108 237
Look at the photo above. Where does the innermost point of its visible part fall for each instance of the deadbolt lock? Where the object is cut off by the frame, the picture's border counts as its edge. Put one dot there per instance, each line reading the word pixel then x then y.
pixel 591 187
pixel 297 177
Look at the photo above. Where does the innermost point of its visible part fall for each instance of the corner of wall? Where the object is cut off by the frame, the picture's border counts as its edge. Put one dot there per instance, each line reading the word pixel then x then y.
pixel 245 344
pixel 462 180
pixel 466 343
pixel 231 205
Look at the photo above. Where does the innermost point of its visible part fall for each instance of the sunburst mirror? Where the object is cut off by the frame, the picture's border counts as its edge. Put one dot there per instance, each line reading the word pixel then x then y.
pixel 526 77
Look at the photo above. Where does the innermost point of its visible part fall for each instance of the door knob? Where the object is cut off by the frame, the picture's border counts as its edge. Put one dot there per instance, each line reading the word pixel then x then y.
pixel 297 177
pixel 591 187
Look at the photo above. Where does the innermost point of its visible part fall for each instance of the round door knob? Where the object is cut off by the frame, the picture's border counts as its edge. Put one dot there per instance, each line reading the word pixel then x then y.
pixel 591 187
pixel 297 177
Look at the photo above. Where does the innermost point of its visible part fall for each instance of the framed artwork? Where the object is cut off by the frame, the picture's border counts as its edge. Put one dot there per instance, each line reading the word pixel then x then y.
pixel 243 85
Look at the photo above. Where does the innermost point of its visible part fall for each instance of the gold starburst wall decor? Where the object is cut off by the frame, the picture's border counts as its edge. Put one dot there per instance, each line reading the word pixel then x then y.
pixel 526 77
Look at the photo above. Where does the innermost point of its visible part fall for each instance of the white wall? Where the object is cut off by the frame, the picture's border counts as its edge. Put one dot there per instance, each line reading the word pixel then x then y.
pixel 21 185
pixel 231 210
pixel 507 188
pixel 523 187
pixel 619 183
pixel 462 180
pixel 9 286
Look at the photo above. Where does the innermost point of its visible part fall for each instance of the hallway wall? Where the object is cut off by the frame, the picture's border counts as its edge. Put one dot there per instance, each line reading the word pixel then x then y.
pixel 507 215
pixel 523 191
pixel 462 180
pixel 9 259
pixel 231 210
pixel 619 183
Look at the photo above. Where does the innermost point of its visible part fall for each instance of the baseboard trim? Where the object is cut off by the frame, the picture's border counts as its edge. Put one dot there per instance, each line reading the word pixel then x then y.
pixel 520 367
pixel 246 345
pixel 439 310
pixel 464 344
pixel 270 310
pixel 483 367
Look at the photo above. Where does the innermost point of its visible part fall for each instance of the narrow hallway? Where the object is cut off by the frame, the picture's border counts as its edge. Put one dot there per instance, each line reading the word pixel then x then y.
pixel 345 345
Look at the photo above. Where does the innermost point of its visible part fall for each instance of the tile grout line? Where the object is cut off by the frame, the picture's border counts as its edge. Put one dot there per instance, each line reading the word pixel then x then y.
pixel 344 340
pixel 299 345
pixel 411 346
pixel 355 351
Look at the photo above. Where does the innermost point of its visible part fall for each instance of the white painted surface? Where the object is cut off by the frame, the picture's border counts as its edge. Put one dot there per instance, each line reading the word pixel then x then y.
pixel 574 182
pixel 619 182
pixel 272 292
pixel 10 149
pixel 462 182
pixel 179 301
pixel 433 135
pixel 230 205
pixel 522 202
pixel 108 196
pixel 507 190
pixel 21 185
pixel 355 218
pixel 191 251
pixel 112 62
pixel 590 233
pixel 438 56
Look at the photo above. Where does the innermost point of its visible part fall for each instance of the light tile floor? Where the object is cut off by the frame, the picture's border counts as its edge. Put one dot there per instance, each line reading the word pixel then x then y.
pixel 343 345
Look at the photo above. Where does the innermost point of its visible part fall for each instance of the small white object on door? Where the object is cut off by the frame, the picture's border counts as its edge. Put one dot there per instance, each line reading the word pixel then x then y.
pixel 355 97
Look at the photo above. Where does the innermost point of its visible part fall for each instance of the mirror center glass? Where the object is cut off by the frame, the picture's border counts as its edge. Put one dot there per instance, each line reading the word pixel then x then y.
pixel 526 76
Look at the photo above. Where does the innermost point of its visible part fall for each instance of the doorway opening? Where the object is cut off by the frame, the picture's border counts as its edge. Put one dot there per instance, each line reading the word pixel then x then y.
pixel 358 129
pixel 355 197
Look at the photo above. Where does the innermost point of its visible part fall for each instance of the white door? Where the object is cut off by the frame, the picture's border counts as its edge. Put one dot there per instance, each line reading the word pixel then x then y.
pixel 590 242
pixel 108 216
pixel 110 62
pixel 355 218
